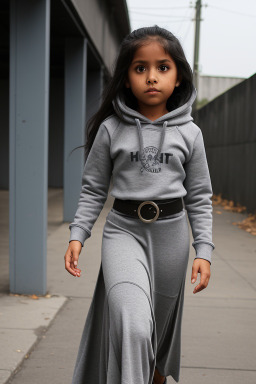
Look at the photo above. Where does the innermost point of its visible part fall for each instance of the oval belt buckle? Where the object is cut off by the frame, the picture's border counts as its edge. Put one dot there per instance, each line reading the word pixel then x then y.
pixel 154 205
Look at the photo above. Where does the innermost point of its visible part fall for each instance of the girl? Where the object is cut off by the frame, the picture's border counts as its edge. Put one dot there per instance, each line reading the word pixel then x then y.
pixel 144 136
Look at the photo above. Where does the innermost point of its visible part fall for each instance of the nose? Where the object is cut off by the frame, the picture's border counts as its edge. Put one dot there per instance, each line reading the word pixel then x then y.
pixel 152 78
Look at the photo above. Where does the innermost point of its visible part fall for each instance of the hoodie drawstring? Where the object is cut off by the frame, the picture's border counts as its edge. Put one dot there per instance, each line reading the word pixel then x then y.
pixel 141 140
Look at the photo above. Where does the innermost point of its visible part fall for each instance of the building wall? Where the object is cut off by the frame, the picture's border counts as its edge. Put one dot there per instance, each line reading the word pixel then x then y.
pixel 56 133
pixel 4 133
pixel 56 115
pixel 104 28
pixel 102 22
pixel 228 124
pixel 210 87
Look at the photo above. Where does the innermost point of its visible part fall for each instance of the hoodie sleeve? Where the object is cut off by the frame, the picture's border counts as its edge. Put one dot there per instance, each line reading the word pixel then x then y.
pixel 198 201
pixel 95 185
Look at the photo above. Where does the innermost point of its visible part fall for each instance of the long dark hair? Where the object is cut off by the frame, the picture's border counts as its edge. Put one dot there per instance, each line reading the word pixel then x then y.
pixel 116 83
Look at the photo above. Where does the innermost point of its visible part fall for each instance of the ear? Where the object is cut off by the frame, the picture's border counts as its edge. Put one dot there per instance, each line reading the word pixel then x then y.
pixel 178 81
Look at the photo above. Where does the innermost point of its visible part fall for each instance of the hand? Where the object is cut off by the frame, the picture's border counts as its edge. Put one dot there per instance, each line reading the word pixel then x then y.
pixel 204 268
pixel 71 257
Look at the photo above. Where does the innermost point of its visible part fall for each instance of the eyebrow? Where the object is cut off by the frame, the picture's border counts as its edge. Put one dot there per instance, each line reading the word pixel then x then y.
pixel 145 61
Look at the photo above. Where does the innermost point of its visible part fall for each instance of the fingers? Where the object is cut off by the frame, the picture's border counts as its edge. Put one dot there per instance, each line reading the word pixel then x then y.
pixel 202 266
pixel 69 265
pixel 71 258
pixel 203 283
pixel 194 273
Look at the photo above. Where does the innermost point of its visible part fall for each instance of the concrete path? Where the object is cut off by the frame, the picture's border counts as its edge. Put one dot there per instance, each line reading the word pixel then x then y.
pixel 24 319
pixel 218 342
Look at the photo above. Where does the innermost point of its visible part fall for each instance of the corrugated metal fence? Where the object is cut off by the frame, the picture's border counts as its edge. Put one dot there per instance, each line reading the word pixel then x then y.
pixel 228 124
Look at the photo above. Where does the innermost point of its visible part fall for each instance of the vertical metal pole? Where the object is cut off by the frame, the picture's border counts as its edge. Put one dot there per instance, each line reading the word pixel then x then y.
pixel 29 110
pixel 196 45
pixel 74 122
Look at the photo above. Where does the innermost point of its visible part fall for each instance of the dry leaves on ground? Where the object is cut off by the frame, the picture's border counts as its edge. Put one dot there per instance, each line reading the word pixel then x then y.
pixel 34 297
pixel 248 224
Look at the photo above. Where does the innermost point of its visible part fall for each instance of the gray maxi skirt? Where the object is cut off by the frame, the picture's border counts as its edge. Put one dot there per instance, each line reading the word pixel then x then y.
pixel 134 320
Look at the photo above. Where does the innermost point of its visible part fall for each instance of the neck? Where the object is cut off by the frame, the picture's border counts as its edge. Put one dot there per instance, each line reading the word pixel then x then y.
pixel 152 112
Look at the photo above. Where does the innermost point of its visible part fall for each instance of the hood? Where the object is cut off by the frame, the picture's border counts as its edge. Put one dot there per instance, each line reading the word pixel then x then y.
pixel 178 116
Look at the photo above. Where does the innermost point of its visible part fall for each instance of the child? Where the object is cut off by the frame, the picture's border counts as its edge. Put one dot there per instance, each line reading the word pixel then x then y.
pixel 144 136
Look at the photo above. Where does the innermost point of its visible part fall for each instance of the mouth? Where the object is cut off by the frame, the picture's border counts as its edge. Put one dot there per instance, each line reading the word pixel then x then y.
pixel 152 90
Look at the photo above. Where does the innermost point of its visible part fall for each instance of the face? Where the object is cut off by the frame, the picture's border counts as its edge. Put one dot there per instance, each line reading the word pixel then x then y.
pixel 152 67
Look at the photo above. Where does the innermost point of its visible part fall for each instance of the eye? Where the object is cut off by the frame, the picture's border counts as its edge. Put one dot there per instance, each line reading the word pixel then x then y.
pixel 164 67
pixel 138 67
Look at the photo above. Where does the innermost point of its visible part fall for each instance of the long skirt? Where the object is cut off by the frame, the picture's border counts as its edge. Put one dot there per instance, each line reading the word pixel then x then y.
pixel 135 317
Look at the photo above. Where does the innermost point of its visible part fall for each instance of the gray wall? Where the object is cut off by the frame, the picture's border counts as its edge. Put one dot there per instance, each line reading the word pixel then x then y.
pixel 56 133
pixel 4 133
pixel 107 22
pixel 210 87
pixel 55 174
pixel 228 124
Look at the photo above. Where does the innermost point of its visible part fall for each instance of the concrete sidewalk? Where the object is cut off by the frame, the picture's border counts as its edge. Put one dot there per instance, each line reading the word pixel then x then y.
pixel 24 319
pixel 218 343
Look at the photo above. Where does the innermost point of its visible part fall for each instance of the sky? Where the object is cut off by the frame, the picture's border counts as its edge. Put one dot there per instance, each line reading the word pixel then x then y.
pixel 227 31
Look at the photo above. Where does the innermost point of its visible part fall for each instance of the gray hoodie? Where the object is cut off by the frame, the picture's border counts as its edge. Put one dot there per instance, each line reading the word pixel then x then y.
pixel 148 160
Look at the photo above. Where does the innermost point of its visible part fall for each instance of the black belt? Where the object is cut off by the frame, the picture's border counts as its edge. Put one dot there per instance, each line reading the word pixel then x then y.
pixel 149 210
